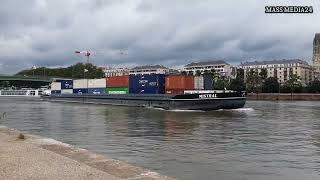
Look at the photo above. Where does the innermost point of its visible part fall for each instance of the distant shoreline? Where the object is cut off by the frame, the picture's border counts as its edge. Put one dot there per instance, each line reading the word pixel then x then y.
pixel 284 96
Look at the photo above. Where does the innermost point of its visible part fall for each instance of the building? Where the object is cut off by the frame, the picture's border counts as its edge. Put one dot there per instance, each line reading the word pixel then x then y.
pixel 219 66
pixel 282 69
pixel 316 55
pixel 149 69
pixel 109 72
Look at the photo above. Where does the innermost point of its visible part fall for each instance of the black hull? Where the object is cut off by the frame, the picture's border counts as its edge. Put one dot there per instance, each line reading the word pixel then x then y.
pixel 167 102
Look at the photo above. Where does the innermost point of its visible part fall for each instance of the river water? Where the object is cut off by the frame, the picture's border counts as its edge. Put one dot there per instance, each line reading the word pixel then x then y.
pixel 265 140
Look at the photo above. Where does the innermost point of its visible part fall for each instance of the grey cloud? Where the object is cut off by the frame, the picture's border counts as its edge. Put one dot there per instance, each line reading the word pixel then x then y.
pixel 46 33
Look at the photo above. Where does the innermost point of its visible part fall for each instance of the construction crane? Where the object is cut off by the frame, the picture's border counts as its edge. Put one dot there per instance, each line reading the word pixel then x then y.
pixel 86 53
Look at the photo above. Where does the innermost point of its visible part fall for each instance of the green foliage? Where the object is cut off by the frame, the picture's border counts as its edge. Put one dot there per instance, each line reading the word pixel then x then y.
pixel 184 73
pixel 198 73
pixel 253 81
pixel 237 85
pixel 190 73
pixel 240 74
pixel 314 87
pixel 263 74
pixel 74 71
pixel 271 85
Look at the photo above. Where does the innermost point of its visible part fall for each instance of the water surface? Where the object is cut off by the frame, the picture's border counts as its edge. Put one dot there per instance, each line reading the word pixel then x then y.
pixel 264 140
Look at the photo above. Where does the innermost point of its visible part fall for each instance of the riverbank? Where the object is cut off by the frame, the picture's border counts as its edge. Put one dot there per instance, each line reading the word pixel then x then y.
pixel 25 156
pixel 283 96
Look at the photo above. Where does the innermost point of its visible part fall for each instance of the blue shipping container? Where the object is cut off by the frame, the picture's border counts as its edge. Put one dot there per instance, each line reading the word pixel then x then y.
pixel 80 91
pixel 147 84
pixel 55 92
pixel 96 90
pixel 66 84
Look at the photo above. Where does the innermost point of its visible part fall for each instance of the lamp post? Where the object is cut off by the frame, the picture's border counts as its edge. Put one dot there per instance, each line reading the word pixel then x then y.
pixel 84 76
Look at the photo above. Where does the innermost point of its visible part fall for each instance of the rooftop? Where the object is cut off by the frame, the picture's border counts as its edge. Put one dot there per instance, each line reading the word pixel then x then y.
pixel 150 67
pixel 283 61
pixel 205 63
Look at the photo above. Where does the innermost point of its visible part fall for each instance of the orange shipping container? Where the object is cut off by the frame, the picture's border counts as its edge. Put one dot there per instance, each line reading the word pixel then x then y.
pixel 180 82
pixel 117 81
pixel 174 91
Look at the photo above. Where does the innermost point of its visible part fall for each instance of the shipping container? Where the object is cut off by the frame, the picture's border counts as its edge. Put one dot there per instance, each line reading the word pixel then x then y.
pixel 147 84
pixel 179 82
pixel 97 83
pixel 56 86
pixel 117 81
pixel 80 83
pixel 80 91
pixel 55 92
pixel 66 84
pixel 96 90
pixel 117 90
pixel 198 83
pixel 208 82
pixel 174 91
pixel 66 91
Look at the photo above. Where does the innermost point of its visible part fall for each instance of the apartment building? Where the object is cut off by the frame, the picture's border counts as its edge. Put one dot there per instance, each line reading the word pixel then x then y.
pixel 149 69
pixel 219 66
pixel 282 69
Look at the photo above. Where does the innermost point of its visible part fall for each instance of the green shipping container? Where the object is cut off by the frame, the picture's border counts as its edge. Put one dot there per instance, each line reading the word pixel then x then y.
pixel 118 90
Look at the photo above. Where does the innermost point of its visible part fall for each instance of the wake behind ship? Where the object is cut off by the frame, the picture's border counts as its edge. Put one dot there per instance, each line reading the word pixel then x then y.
pixel 173 92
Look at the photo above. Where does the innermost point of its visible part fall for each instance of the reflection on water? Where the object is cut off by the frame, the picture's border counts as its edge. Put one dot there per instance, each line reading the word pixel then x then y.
pixel 264 140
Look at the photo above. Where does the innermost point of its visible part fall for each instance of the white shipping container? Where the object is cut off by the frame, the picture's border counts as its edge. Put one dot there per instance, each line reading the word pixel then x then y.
pixel 66 91
pixel 198 82
pixel 97 83
pixel 80 83
pixel 56 86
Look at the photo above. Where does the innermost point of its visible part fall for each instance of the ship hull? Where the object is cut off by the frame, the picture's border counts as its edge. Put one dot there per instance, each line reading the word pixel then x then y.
pixel 167 102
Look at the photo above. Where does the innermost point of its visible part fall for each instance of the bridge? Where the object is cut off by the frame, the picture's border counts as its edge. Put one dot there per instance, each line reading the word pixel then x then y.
pixel 24 81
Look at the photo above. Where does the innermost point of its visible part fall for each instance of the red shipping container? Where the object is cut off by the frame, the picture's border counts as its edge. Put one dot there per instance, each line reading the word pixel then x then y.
pixel 174 91
pixel 117 81
pixel 179 82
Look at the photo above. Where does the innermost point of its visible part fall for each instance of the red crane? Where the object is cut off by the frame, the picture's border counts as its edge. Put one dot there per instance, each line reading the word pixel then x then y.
pixel 86 53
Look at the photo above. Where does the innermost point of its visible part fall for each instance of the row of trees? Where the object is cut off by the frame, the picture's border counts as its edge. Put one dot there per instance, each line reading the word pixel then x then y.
pixel 79 70
pixel 259 82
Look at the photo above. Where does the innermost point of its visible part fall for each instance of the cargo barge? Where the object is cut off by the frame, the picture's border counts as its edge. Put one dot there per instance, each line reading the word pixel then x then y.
pixel 198 101
pixel 169 92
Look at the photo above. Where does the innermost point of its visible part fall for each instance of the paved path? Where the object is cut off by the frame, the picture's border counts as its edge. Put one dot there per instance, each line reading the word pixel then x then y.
pixel 36 158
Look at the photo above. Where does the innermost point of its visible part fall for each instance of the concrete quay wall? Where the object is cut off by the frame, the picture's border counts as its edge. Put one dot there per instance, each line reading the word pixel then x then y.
pixel 283 96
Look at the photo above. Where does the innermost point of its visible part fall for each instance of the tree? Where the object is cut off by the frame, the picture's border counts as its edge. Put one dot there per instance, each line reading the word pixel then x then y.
pixel 198 73
pixel 253 81
pixel 183 72
pixel 238 84
pixel 74 71
pixel 293 84
pixel 270 85
pixel 314 86
pixel 263 74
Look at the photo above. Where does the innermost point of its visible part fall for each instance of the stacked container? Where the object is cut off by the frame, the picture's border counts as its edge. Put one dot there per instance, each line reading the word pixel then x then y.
pixel 96 86
pixel 117 85
pixel 66 86
pixel 147 84
pixel 80 86
pixel 208 82
pixel 56 88
pixel 198 83
pixel 176 84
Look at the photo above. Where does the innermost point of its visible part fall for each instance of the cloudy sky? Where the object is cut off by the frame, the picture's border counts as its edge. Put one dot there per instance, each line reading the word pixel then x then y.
pixel 169 32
